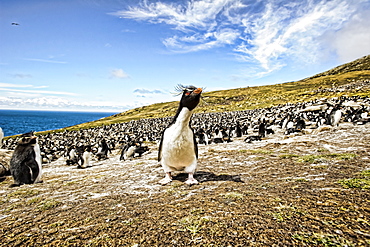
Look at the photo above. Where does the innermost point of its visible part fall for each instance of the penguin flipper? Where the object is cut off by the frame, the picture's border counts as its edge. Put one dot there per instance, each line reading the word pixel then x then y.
pixel 22 175
pixel 34 168
pixel 160 148
pixel 195 144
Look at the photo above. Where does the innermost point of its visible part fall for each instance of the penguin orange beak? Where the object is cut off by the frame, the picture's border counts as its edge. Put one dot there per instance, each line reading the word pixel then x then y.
pixel 198 91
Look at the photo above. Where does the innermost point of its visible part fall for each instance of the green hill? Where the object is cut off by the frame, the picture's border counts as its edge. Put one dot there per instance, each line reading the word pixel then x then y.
pixel 258 97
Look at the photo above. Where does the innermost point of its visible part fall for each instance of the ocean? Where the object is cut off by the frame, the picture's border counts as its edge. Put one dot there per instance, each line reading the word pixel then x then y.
pixel 15 122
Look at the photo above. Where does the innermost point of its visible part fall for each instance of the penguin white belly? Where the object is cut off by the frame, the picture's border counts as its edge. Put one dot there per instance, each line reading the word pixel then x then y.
pixel 178 151
pixel 285 122
pixel 1 136
pixel 290 125
pixel 130 152
pixel 206 139
pixel 72 154
pixel 36 148
pixel 86 156
pixel 337 117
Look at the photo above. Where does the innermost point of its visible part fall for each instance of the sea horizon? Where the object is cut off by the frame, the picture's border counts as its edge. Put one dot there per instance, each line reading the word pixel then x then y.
pixel 15 122
pixel 61 110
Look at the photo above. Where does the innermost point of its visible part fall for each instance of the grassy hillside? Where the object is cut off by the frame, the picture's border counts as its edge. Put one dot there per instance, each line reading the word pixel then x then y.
pixel 256 97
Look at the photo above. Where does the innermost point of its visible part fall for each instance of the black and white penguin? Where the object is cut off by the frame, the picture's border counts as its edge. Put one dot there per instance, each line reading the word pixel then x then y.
pixel 103 150
pixel 335 116
pixel 178 150
pixel 72 157
pixel 25 164
pixel 238 130
pixel 262 129
pixel 1 136
pixel 130 151
pixel 86 157
pixel 301 124
pixel 141 149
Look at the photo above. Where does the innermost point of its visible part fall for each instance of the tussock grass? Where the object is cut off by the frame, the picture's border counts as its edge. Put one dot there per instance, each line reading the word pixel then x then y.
pixel 256 151
pixel 233 195
pixel 359 183
pixel 193 223
pixel 288 156
pixel 23 192
pixel 362 182
pixel 316 239
pixel 34 200
pixel 314 159
pixel 48 204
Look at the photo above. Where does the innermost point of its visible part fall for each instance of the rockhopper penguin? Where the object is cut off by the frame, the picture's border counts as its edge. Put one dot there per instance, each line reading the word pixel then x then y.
pixel 25 164
pixel 178 149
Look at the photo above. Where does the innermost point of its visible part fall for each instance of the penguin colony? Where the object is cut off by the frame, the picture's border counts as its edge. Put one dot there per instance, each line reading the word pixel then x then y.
pixel 253 125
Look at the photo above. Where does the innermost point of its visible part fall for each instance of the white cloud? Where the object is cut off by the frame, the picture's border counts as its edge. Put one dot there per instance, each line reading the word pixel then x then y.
pixel 39 92
pixel 199 42
pixel 54 102
pixel 21 75
pixel 44 60
pixel 18 96
pixel 14 89
pixel 3 85
pixel 150 95
pixel 118 73
pixel 281 32
pixel 353 40
pixel 269 33
pixel 190 18
pixel 194 14
pixel 147 91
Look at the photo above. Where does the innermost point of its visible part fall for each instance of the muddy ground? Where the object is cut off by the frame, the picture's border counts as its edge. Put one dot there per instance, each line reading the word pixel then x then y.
pixel 303 190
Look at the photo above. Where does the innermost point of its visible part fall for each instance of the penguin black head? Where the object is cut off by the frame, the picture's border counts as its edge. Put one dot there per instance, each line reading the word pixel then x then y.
pixel 190 96
pixel 28 138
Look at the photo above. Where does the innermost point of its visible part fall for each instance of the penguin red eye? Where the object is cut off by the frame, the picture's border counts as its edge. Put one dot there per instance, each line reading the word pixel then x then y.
pixel 187 93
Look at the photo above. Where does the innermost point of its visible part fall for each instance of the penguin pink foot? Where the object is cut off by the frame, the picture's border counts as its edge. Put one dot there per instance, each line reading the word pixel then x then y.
pixel 166 180
pixel 191 180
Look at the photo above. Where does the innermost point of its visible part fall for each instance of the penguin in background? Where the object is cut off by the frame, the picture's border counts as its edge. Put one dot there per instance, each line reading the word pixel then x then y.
pixel 262 129
pixel 335 116
pixel 72 157
pixel 300 124
pixel 238 130
pixel 245 129
pixel 103 150
pixel 321 119
pixel 178 150
pixel 1 136
pixel 25 164
pixel 128 151
pixel 86 157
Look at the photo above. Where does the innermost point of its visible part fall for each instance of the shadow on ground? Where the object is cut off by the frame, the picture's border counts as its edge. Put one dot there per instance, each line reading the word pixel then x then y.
pixel 202 177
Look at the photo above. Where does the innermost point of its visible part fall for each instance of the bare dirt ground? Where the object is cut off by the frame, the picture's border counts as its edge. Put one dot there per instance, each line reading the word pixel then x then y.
pixel 303 190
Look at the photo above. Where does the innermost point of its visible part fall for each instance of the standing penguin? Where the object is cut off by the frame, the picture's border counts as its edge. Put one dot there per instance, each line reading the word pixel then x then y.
pixel 86 158
pixel 1 136
pixel 25 164
pixel 178 148
pixel 335 116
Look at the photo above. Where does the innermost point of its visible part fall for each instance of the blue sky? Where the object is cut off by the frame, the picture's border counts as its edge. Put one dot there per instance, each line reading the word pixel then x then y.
pixel 115 55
